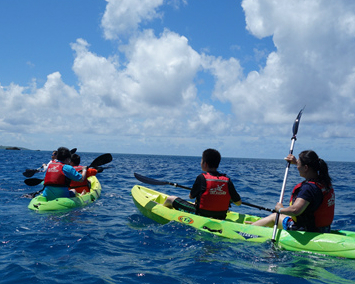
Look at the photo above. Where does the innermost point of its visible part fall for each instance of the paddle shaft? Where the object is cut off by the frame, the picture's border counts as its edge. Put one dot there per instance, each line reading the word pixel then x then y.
pixel 33 194
pixel 286 172
pixel 293 139
pixel 258 207
pixel 282 192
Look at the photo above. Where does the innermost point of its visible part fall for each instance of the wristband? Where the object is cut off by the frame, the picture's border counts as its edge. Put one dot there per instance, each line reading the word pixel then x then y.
pixel 280 210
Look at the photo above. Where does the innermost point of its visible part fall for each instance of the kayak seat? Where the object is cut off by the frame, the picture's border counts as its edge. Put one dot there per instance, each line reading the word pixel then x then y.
pixel 159 199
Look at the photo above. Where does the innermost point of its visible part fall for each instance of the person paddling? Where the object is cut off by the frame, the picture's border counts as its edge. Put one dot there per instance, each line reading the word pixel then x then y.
pixel 53 160
pixel 80 187
pixel 59 174
pixel 312 201
pixel 213 191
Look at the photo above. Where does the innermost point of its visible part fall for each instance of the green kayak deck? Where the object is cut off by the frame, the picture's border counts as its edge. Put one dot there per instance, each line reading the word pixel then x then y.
pixel 337 243
pixel 40 202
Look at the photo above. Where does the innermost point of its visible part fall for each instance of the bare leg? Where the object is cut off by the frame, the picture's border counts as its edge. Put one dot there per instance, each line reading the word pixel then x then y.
pixel 269 221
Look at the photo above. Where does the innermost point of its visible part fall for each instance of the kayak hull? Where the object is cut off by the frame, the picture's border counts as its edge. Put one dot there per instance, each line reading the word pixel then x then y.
pixel 338 243
pixel 40 203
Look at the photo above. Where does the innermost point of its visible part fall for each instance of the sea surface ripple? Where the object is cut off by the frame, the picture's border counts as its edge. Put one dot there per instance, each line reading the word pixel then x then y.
pixel 109 241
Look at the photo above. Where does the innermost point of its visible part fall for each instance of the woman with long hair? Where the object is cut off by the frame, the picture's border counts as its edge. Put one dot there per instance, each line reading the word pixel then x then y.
pixel 312 201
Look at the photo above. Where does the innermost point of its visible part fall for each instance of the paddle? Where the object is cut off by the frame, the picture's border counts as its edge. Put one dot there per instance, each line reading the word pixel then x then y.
pixel 258 207
pixel 33 194
pixel 101 169
pixel 33 181
pixel 158 182
pixel 30 172
pixel 99 161
pixel 293 139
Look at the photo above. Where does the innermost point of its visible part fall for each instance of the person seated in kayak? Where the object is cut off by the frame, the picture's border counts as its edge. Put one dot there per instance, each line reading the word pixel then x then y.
pixel 80 187
pixel 53 159
pixel 213 191
pixel 312 201
pixel 59 175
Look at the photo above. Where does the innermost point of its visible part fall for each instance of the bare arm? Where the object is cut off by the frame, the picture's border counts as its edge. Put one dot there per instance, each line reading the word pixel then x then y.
pixel 83 174
pixel 292 159
pixel 295 209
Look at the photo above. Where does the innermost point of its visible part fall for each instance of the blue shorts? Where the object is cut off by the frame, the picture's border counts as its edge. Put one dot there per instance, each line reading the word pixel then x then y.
pixel 287 223
pixel 185 206
pixel 53 192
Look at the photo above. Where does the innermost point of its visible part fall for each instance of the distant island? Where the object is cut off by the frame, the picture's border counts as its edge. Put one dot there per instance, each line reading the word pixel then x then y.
pixel 12 148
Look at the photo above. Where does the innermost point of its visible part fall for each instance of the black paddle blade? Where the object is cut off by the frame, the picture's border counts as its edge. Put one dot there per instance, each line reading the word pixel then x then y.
pixel 149 180
pixel 72 151
pixel 101 160
pixel 297 122
pixel 33 181
pixel 30 172
pixel 100 169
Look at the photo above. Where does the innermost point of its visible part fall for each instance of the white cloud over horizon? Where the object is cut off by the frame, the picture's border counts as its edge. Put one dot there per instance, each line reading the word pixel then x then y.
pixel 146 96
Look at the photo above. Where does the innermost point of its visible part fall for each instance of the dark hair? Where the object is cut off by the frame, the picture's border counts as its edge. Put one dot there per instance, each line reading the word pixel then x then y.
pixel 212 157
pixel 311 159
pixel 75 158
pixel 63 153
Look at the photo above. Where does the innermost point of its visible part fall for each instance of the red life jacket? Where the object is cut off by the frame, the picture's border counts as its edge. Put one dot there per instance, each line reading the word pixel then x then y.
pixel 80 186
pixel 324 214
pixel 55 175
pixel 216 197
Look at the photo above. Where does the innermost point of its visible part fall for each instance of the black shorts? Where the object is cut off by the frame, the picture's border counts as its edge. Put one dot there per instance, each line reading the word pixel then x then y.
pixel 185 206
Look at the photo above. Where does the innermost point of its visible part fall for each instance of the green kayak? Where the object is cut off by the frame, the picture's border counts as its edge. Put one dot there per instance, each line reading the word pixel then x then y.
pixel 337 243
pixel 40 203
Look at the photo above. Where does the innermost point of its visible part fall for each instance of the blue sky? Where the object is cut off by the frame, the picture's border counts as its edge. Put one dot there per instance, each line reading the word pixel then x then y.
pixel 176 77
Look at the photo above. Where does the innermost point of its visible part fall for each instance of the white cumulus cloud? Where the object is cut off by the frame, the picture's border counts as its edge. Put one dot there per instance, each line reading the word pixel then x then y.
pixel 149 86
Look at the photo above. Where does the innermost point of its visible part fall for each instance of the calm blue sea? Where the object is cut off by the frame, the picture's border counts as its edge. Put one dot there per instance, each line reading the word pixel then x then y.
pixel 111 242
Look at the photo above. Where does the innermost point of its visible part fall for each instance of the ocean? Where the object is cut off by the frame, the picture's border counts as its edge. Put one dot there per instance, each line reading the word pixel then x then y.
pixel 110 241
